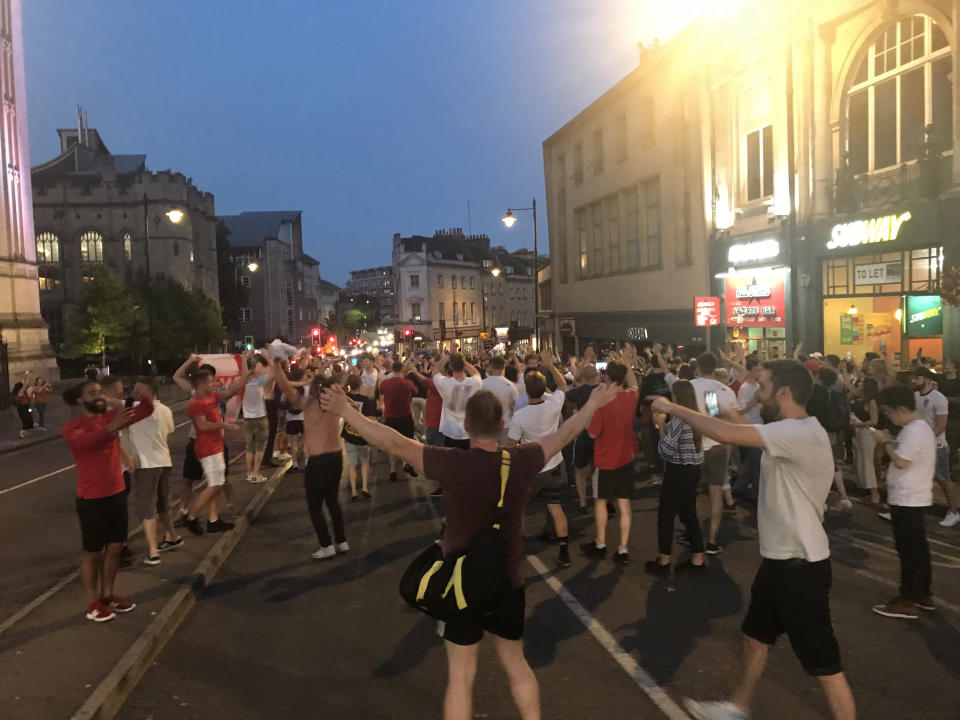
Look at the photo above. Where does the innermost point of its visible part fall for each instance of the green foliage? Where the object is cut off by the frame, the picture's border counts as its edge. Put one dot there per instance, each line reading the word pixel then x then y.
pixel 103 316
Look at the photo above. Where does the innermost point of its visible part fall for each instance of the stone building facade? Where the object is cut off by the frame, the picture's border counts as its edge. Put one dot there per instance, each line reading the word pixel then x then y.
pixel 93 208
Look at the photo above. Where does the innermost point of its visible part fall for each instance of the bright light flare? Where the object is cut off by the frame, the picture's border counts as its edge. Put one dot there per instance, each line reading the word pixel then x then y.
pixel 509 220
pixel 175 216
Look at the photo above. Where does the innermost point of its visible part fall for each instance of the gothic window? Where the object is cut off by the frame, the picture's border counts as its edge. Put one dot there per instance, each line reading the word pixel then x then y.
pixel 127 246
pixel 48 248
pixel 901 86
pixel 91 247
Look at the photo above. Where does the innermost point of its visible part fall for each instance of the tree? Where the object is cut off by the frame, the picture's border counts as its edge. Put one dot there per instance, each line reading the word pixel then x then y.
pixel 103 317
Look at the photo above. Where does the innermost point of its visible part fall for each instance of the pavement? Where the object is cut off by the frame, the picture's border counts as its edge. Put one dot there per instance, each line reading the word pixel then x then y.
pixel 276 633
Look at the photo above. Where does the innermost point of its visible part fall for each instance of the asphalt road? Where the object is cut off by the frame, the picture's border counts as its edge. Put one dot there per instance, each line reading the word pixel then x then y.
pixel 278 634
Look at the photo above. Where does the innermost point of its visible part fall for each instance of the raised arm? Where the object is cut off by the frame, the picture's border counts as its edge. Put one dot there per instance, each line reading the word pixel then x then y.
pixel 238 384
pixel 734 433
pixel 286 387
pixel 334 400
pixel 576 423
pixel 548 361
pixel 180 376
pixel 469 369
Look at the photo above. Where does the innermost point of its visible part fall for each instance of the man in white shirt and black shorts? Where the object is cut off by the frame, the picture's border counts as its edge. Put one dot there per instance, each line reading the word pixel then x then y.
pixel 933 406
pixel 537 419
pixel 791 592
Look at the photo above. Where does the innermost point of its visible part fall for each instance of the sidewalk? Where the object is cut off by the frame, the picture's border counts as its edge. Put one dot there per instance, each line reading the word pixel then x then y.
pixel 57 661
pixel 58 413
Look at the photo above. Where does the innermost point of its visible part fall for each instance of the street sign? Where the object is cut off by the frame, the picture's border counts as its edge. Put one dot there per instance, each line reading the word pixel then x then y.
pixel 637 333
pixel 568 327
pixel 706 311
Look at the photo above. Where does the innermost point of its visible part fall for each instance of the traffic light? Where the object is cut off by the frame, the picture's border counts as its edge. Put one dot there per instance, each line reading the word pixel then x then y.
pixel 249 346
pixel 316 333
pixel 333 340
pixel 407 333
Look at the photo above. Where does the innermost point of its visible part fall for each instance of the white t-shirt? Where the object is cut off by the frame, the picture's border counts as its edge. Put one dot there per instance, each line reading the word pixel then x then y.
pixel 912 486
pixel 506 391
pixel 147 439
pixel 532 422
pixel 726 401
pixel 744 396
pixel 797 469
pixel 253 405
pixel 369 379
pixel 929 406
pixel 455 394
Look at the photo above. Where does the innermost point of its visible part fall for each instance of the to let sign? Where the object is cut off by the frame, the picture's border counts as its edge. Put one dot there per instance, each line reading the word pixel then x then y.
pixel 878 274
pixel 706 311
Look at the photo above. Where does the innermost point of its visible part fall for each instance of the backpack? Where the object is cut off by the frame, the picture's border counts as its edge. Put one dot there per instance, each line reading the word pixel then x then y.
pixel 837 415
pixel 467 585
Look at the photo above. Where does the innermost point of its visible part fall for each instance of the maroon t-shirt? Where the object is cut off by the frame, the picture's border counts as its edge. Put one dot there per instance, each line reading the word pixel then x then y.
pixel 471 489
pixel 397 392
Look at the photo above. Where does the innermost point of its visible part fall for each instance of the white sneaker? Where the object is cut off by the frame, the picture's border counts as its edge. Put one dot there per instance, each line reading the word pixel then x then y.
pixel 256 479
pixel 324 553
pixel 952 518
pixel 842 505
pixel 714 710
pixel 885 515
pixel 343 547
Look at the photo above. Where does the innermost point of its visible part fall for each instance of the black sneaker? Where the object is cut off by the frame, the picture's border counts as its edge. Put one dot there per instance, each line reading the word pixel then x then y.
pixel 655 568
pixel 169 544
pixel 151 560
pixel 393 477
pixel 219 525
pixel 691 568
pixel 437 493
pixel 194 526
pixel 408 469
pixel 621 557
pixel 714 549
pixel 563 557
pixel 590 549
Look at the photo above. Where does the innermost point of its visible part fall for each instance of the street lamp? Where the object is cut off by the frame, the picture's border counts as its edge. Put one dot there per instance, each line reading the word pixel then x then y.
pixel 174 215
pixel 252 267
pixel 509 220
pixel 495 271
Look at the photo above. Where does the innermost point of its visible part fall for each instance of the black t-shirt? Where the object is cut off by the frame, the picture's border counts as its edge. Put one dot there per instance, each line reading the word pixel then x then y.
pixel 654 383
pixel 950 388
pixel 579 395
pixel 367 407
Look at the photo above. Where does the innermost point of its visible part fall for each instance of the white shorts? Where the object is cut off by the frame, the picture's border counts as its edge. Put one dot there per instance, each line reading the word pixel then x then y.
pixel 214 470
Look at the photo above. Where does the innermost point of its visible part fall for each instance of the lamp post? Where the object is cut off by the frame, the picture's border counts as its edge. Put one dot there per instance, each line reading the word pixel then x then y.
pixel 252 266
pixel 509 219
pixel 495 272
pixel 175 215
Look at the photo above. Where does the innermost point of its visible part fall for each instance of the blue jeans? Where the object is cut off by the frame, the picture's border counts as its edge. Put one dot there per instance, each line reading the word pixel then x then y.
pixel 434 437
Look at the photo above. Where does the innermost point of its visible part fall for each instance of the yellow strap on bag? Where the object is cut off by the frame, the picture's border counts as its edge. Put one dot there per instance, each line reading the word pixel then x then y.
pixel 425 580
pixel 504 476
pixel 456 582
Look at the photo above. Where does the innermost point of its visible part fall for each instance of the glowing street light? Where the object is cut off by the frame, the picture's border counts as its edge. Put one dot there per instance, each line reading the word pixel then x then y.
pixel 253 267
pixel 509 219
pixel 175 215
pixel 495 272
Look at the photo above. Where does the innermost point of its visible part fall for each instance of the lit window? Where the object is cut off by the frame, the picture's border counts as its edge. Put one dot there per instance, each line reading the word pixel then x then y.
pixel 127 246
pixel 48 284
pixel 91 247
pixel 760 163
pixel 902 84
pixel 48 248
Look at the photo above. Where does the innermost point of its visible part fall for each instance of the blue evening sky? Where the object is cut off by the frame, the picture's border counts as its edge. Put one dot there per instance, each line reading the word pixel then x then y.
pixel 372 117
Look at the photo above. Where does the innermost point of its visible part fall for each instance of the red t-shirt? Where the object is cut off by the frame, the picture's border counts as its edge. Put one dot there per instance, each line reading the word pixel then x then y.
pixel 471 490
pixel 735 386
pixel 612 426
pixel 96 451
pixel 397 393
pixel 209 442
pixel 434 405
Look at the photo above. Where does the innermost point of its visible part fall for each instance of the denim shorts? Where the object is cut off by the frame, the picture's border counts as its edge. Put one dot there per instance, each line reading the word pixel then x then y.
pixel 942 470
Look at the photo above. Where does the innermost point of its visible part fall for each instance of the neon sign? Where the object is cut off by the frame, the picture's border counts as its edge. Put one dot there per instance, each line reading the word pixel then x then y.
pixel 753 251
pixel 865 232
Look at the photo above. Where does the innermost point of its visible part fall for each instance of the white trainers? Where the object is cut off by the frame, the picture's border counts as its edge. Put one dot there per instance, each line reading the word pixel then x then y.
pixel 885 515
pixel 343 547
pixel 952 518
pixel 324 553
pixel 714 710
pixel 256 479
pixel 842 505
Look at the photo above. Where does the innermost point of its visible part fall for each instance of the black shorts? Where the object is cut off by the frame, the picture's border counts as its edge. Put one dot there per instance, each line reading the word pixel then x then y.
pixel 612 484
pixel 547 486
pixel 793 597
pixel 505 621
pixel 294 427
pixel 102 521
pixel 582 451
pixel 452 442
pixel 192 470
pixel 403 425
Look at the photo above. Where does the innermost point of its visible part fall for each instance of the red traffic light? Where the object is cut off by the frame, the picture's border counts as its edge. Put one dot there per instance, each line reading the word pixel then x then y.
pixel 315 332
pixel 408 332
pixel 333 339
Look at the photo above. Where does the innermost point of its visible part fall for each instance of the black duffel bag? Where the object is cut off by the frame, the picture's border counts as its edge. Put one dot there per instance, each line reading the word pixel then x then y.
pixel 466 585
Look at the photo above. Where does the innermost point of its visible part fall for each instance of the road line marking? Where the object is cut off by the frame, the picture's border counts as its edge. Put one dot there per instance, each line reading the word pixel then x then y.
pixel 609 643
pixel 891 583
pixel 952 561
pixel 57 472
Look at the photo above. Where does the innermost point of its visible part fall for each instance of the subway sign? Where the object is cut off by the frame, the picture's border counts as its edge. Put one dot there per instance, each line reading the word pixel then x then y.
pixel 866 232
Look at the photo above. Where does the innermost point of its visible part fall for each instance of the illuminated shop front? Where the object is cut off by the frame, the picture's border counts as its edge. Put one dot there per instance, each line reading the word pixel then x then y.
pixel 880 281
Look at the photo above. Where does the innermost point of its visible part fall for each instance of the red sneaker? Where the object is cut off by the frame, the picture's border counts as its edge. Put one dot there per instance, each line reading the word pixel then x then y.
pixel 118 604
pixel 98 612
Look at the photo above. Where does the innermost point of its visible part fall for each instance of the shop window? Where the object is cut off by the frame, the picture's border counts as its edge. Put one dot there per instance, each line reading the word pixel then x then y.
pixel 925 268
pixel 901 86
pixel 836 277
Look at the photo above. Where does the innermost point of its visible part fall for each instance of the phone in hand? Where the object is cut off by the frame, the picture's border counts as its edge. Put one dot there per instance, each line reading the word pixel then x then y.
pixel 713 407
pixel 601 366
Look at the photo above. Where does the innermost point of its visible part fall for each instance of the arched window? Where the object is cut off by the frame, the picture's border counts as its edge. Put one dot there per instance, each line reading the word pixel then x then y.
pixel 48 248
pixel 127 246
pixel 901 85
pixel 91 247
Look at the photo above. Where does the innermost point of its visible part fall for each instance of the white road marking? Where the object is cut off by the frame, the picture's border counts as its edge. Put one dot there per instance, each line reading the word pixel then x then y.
pixel 57 472
pixel 641 677
pixel 893 584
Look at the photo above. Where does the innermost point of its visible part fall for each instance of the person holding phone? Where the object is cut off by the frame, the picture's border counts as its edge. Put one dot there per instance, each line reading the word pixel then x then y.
pixel 716 456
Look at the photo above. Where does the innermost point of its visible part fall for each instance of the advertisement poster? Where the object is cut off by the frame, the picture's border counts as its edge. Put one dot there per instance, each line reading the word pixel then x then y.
pixel 706 311
pixel 846 329
pixel 756 299
pixel 924 315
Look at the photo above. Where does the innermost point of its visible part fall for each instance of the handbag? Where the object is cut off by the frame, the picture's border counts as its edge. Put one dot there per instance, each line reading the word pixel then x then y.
pixel 466 585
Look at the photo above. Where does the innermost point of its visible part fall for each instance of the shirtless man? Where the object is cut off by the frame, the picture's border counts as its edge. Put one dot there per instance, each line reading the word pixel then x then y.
pixel 324 450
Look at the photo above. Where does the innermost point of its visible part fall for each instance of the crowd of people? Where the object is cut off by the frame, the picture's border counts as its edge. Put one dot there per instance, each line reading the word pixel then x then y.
pixel 781 435
pixel 30 397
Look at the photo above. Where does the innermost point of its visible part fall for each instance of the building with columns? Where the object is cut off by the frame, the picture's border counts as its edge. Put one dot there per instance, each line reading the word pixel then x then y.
pixel 819 184
pixel 26 345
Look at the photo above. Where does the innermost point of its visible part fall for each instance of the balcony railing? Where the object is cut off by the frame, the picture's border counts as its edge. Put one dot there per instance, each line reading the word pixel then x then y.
pixel 924 179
